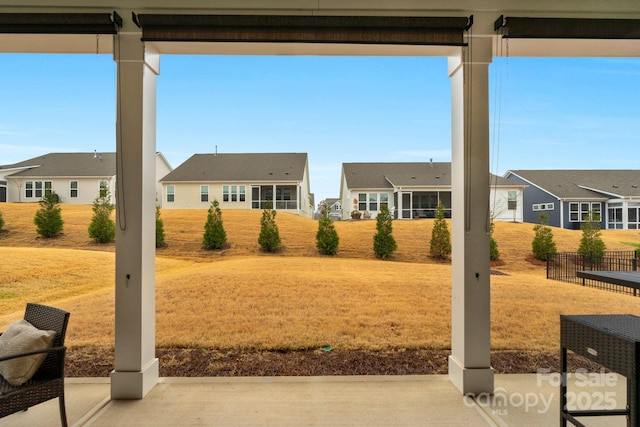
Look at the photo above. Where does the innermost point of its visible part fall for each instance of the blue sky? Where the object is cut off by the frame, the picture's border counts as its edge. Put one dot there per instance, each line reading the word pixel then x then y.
pixel 546 113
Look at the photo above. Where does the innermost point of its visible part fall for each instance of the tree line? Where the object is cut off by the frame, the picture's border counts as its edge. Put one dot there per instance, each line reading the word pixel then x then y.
pixel 49 224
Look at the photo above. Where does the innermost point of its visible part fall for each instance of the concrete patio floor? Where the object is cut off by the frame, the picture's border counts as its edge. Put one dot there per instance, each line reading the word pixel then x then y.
pixel 431 400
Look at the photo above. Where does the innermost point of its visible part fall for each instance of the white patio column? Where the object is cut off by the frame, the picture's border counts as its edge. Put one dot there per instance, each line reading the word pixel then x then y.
pixel 469 363
pixel 136 367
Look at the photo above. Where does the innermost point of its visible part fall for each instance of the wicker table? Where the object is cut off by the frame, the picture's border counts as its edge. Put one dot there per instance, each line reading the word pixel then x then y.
pixel 611 340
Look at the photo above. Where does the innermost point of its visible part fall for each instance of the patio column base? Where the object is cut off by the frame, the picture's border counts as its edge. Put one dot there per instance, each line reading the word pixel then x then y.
pixel 135 385
pixel 470 380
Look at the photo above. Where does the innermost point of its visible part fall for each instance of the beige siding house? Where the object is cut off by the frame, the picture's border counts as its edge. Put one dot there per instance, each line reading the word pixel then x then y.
pixel 414 189
pixel 77 178
pixel 240 181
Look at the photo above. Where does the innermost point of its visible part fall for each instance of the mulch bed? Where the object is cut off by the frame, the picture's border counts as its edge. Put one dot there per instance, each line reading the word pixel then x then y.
pixel 205 362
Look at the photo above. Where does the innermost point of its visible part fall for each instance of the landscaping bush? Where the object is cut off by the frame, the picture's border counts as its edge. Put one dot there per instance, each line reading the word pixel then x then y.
pixel 494 253
pixel 214 234
pixel 383 242
pixel 102 228
pixel 591 245
pixel 440 244
pixel 269 238
pixel 327 237
pixel 48 218
pixel 543 244
pixel 159 229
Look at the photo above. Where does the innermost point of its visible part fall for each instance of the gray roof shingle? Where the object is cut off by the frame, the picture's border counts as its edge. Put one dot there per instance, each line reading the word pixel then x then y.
pixel 388 175
pixel 67 165
pixel 240 167
pixel 577 184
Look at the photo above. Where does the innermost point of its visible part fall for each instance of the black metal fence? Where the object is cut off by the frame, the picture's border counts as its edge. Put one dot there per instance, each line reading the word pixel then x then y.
pixel 563 266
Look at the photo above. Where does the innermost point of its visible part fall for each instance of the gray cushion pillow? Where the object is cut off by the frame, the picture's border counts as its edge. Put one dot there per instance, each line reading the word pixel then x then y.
pixel 20 337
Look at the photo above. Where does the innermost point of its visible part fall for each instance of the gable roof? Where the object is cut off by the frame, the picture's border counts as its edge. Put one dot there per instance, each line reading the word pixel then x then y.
pixel 583 184
pixel 409 174
pixel 331 201
pixel 240 167
pixel 66 165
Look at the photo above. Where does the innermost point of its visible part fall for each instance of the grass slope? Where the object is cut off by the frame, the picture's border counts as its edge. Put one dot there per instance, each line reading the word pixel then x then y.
pixel 242 299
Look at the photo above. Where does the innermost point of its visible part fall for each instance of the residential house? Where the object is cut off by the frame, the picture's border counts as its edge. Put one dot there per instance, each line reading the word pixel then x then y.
pixel 241 181
pixel 335 208
pixel 567 196
pixel 77 178
pixel 413 190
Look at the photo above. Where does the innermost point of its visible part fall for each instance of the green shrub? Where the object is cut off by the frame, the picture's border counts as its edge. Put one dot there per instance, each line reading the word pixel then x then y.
pixel 102 228
pixel 269 238
pixel 543 245
pixel 591 245
pixel 326 237
pixel 214 235
pixel 48 218
pixel 494 253
pixel 159 229
pixel 440 244
pixel 383 242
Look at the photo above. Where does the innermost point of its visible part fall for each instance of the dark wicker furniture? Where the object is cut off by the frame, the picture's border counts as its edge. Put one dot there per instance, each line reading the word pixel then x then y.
pixel 48 381
pixel 611 340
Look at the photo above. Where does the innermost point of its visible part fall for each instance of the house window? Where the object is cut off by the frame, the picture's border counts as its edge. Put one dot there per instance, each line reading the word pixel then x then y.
pixel 204 193
pixel 512 200
pixel 47 188
pixel 233 193
pixel 104 188
pixel 373 201
pixel 73 189
pixel 28 189
pixel 542 206
pixel 579 212
pixel 38 189
pixel 171 193
pixel 362 202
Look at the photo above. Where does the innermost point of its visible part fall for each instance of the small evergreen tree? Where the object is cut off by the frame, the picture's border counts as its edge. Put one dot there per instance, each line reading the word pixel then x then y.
pixel 543 244
pixel 1 221
pixel 326 237
pixel 591 245
pixel 440 244
pixel 214 235
pixel 102 228
pixel 159 229
pixel 48 218
pixel 494 253
pixel 383 242
pixel 269 238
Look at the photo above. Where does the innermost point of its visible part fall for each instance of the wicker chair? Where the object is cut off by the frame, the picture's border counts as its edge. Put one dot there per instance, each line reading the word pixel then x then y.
pixel 48 381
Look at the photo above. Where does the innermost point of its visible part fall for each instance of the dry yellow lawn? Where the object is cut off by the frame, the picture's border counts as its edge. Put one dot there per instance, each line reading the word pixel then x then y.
pixel 240 298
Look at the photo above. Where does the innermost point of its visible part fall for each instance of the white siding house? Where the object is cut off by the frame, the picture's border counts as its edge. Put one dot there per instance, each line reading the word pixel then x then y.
pixel 77 178
pixel 240 181
pixel 414 189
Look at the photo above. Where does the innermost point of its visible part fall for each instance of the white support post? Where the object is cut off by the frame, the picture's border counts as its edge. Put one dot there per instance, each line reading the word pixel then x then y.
pixel 136 367
pixel 469 364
